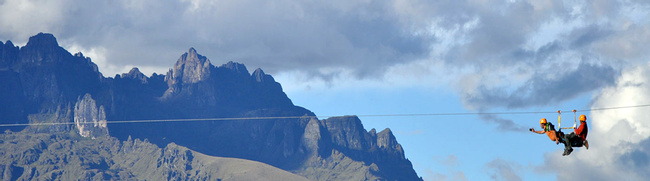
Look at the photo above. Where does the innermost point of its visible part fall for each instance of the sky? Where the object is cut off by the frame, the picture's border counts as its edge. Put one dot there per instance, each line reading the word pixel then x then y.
pixel 405 56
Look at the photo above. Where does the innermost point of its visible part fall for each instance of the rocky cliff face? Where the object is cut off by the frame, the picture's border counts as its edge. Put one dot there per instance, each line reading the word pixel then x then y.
pixel 135 74
pixel 228 89
pixel 8 54
pixel 42 48
pixel 43 78
pixel 89 119
pixel 190 68
pixel 344 141
pixel 45 83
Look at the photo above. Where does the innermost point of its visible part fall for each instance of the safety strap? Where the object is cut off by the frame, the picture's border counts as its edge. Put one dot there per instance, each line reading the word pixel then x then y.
pixel 560 120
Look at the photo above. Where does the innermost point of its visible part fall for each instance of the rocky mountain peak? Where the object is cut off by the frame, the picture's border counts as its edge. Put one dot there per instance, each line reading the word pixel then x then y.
pixel 8 53
pixel 348 132
pixel 7 44
pixel 236 67
pixel 348 136
pixel 42 40
pixel 191 56
pixel 386 140
pixel 135 73
pixel 43 47
pixel 191 67
pixel 373 132
pixel 192 52
pixel 260 76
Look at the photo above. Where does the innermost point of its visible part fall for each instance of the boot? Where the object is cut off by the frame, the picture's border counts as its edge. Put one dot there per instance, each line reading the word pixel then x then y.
pixel 586 144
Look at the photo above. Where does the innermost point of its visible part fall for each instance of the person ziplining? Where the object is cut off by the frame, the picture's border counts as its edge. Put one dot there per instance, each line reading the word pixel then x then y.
pixel 577 138
pixel 549 129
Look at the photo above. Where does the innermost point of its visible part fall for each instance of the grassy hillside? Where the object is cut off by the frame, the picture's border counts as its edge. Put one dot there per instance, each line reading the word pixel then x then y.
pixel 70 157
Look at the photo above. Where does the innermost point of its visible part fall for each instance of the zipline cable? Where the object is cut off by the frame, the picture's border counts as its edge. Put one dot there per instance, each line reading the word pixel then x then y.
pixel 609 108
pixel 304 117
pixel 161 120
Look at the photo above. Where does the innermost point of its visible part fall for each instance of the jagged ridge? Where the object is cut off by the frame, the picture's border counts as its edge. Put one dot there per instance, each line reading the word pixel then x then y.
pixel 47 82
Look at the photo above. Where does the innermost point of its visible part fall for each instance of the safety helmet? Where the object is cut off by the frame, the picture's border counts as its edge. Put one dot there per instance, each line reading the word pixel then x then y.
pixel 583 118
pixel 542 121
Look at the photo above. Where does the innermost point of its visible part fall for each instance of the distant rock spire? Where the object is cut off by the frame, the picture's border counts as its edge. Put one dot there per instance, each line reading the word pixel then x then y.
pixel 135 73
pixel 386 140
pixel 90 120
pixel 260 76
pixel 192 51
pixel 190 68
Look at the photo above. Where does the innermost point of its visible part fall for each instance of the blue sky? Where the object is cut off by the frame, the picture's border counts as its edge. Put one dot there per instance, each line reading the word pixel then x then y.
pixel 396 57
pixel 444 147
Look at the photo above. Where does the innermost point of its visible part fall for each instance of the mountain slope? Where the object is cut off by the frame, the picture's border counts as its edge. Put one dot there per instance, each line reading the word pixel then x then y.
pixel 64 156
pixel 46 84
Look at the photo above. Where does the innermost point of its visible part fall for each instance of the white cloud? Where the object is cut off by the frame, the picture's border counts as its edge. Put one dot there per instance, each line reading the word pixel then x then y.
pixel 504 170
pixel 364 37
pixel 633 88
pixel 627 45
pixel 517 61
pixel 451 164
pixel 24 18
pixel 482 49
pixel 449 161
pixel 619 138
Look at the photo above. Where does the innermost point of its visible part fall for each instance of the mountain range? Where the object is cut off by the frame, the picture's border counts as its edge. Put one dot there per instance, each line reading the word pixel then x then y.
pixel 44 83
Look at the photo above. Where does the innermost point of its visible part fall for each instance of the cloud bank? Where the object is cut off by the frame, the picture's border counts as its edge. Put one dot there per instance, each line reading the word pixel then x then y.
pixel 363 36
pixel 508 54
pixel 503 170
pixel 619 139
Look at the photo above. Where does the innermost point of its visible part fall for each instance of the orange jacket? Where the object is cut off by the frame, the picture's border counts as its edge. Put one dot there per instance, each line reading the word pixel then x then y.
pixel 582 130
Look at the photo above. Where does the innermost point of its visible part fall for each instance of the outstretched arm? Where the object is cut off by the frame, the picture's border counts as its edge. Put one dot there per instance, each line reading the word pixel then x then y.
pixel 538 132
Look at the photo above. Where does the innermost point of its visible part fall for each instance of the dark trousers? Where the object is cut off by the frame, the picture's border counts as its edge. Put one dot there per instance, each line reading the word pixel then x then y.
pixel 572 140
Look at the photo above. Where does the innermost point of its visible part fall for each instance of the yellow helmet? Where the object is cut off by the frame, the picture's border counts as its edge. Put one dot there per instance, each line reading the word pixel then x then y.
pixel 542 121
pixel 583 118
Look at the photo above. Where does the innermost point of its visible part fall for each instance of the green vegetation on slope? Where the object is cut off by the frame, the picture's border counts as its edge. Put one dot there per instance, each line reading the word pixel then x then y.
pixel 64 156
